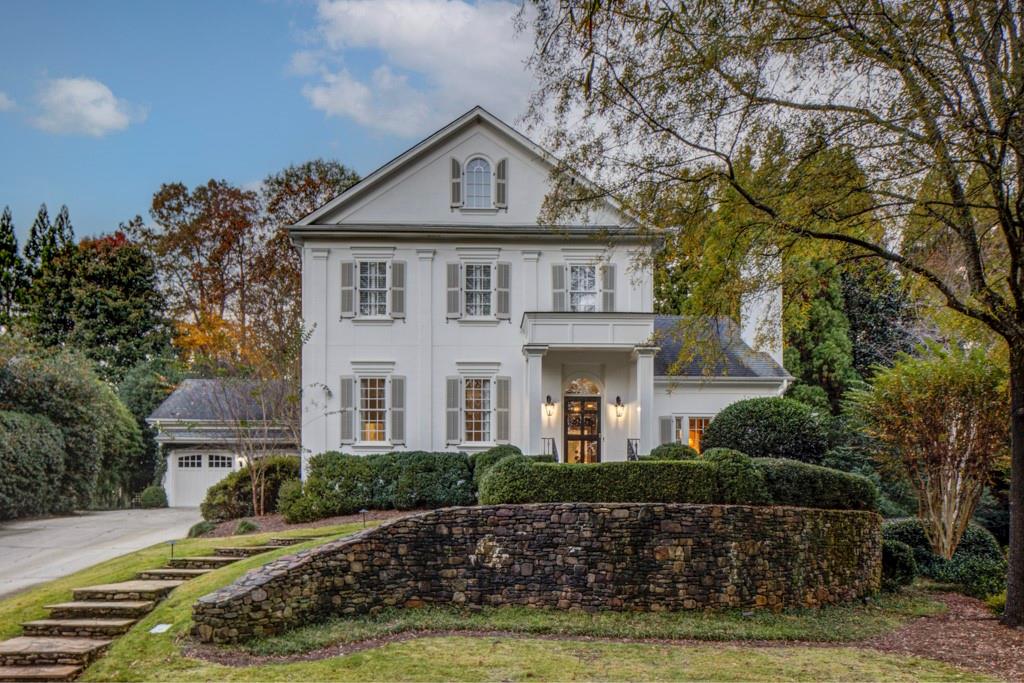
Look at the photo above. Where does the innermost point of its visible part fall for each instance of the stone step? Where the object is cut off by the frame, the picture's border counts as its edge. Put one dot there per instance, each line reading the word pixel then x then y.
pixel 294 540
pixel 245 551
pixel 62 672
pixel 207 562
pixel 144 589
pixel 49 651
pixel 77 628
pixel 166 574
pixel 100 609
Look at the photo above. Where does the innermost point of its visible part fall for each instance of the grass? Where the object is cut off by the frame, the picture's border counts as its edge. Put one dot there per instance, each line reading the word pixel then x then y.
pixel 829 624
pixel 143 656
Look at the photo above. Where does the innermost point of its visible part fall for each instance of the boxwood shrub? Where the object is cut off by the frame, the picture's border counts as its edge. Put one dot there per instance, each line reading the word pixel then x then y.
pixel 672 451
pixel 231 497
pixel 898 565
pixel 716 478
pixel 770 428
pixel 153 497
pixel 483 461
pixel 31 466
pixel 978 565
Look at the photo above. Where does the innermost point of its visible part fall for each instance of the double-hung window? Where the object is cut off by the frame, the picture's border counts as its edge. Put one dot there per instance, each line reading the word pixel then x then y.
pixel 373 288
pixel 373 409
pixel 479 290
pixel 583 288
pixel 477 410
pixel 690 430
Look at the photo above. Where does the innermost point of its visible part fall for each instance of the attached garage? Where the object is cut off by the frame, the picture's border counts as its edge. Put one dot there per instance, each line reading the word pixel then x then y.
pixel 201 447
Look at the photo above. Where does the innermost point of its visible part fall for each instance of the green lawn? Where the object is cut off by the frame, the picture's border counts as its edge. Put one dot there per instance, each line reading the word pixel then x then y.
pixel 142 656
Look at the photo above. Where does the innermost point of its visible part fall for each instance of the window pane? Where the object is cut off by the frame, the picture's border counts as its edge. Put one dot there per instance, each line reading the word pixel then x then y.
pixel 478 289
pixel 478 184
pixel 697 427
pixel 583 288
pixel 372 409
pixel 373 288
pixel 478 410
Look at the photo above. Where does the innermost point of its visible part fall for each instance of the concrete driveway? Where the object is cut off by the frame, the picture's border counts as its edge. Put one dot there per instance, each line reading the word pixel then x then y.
pixel 33 551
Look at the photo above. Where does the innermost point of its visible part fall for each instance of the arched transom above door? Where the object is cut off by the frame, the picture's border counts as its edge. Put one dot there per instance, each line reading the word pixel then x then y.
pixel 582 386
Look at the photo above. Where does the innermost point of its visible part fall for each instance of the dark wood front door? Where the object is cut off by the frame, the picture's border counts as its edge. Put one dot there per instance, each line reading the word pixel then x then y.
pixel 583 429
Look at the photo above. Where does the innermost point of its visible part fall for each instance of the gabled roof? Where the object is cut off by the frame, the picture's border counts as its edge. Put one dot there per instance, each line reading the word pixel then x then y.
pixel 475 115
pixel 732 357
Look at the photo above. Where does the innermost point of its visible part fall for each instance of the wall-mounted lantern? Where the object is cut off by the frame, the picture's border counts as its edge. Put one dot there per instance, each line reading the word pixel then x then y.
pixel 549 406
pixel 620 409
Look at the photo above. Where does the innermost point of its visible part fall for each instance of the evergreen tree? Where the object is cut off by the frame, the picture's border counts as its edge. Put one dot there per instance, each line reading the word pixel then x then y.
pixel 12 271
pixel 63 234
pixel 37 234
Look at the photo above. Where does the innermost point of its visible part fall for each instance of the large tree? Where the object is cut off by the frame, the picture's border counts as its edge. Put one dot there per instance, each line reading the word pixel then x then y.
pixel 640 92
pixel 12 270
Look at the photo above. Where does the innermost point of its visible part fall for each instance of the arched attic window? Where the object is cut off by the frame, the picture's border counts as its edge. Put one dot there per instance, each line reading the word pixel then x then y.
pixel 478 184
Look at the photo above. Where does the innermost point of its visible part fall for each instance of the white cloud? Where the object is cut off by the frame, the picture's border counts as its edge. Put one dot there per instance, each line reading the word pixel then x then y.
pixel 6 103
pixel 83 106
pixel 439 58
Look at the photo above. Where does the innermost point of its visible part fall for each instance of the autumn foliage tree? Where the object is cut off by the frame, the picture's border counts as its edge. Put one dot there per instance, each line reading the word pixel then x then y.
pixel 942 418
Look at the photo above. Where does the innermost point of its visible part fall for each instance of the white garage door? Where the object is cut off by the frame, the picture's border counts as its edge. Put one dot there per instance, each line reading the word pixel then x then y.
pixel 194 473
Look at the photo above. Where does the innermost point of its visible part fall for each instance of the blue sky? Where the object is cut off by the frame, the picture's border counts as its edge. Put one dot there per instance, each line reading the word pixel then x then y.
pixel 101 102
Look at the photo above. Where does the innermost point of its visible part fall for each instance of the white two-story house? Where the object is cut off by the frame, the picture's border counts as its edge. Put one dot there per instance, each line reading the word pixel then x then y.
pixel 443 317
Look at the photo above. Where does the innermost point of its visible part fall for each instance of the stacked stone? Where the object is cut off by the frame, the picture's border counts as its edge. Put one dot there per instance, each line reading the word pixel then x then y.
pixel 586 556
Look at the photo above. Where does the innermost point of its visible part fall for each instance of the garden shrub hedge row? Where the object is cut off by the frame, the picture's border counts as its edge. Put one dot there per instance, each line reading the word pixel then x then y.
pixel 978 566
pixel 671 451
pixel 231 497
pixel 32 466
pixel 718 477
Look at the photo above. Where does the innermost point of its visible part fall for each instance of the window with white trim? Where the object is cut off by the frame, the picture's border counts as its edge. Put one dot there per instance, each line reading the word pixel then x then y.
pixel 479 289
pixel 478 184
pixel 477 412
pixel 219 461
pixel 690 430
pixel 373 409
pixel 191 461
pixel 583 291
pixel 373 288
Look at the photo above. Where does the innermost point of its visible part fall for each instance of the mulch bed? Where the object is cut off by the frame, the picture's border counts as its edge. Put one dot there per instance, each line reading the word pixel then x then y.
pixel 276 522
pixel 968 635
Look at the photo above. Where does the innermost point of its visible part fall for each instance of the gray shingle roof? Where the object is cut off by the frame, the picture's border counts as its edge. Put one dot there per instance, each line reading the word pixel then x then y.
pixel 728 355
pixel 211 399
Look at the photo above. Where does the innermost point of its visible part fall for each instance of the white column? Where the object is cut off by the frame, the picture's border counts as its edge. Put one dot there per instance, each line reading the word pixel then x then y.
pixel 314 354
pixel 644 356
pixel 530 283
pixel 532 411
pixel 424 414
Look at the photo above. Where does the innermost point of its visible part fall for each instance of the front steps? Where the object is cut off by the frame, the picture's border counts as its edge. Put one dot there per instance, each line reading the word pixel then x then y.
pixel 79 631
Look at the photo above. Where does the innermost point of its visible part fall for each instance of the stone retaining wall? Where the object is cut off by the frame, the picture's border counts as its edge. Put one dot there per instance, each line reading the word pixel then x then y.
pixel 587 556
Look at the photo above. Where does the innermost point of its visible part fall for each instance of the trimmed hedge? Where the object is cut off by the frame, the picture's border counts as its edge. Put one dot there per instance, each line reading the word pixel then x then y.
pixel 978 565
pixel 482 462
pixel 770 428
pixel 31 466
pixel 672 451
pixel 231 497
pixel 722 478
pixel 340 484
pixel 153 497
pixel 898 565
pixel 802 485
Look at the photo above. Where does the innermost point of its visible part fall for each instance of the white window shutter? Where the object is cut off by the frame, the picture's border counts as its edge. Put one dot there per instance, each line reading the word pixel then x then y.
pixel 501 185
pixel 348 289
pixel 504 291
pixel 454 282
pixel 503 409
pixel 608 287
pixel 558 299
pixel 456 177
pixel 347 394
pixel 453 411
pixel 665 429
pixel 398 289
pixel 397 410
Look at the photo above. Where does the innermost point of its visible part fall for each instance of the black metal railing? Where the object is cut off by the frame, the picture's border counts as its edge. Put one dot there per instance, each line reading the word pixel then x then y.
pixel 632 449
pixel 549 447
